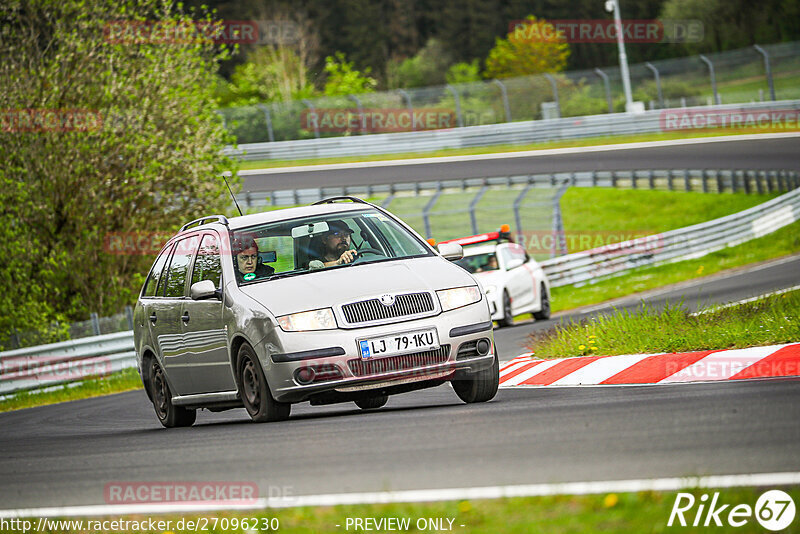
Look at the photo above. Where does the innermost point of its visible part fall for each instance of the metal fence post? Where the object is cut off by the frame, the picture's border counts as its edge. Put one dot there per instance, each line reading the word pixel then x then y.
pixel 713 78
pixel 95 323
pixel 687 180
pixel 473 219
pixel 555 93
pixel 651 179
pixel 129 316
pixel 517 204
pixel 458 104
pixel 559 240
pixel 768 71
pixel 604 76
pixel 426 211
pixel 613 178
pixel 360 108
pixel 407 98
pixel 657 76
pixel 720 187
pixel 504 92
pixel 310 106
pixel 633 180
pixel 268 117
pixel 704 177
pixel 669 180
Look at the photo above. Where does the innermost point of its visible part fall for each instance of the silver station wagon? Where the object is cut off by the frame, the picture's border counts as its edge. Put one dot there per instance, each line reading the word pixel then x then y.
pixel 335 302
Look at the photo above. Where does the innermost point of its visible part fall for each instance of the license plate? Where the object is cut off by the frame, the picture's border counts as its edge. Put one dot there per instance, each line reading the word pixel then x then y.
pixel 401 343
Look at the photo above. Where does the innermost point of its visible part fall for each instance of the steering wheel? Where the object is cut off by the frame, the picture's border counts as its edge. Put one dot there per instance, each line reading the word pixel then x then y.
pixel 369 251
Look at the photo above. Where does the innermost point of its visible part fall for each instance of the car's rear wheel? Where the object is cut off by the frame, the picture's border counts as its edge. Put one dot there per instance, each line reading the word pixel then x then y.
pixel 544 313
pixel 478 387
pixel 254 390
pixel 508 316
pixel 169 414
pixel 372 403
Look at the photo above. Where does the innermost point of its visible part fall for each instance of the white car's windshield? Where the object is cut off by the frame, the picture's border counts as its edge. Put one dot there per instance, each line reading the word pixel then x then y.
pixel 479 263
pixel 308 244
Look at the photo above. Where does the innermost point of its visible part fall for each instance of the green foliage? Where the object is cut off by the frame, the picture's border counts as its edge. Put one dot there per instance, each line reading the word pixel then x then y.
pixel 428 67
pixel 146 159
pixel 343 79
pixel 269 75
pixel 464 72
pixel 532 48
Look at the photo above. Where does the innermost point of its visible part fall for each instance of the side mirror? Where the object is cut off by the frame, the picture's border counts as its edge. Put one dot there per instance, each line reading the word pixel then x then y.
pixel 450 251
pixel 513 264
pixel 203 290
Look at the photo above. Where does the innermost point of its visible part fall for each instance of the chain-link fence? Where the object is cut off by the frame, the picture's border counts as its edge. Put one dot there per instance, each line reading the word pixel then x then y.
pixel 771 72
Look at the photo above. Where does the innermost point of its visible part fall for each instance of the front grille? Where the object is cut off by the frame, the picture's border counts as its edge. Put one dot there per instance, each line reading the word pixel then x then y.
pixel 372 309
pixel 399 363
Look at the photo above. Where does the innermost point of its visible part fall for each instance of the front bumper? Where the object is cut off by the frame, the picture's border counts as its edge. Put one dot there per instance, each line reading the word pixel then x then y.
pixel 338 349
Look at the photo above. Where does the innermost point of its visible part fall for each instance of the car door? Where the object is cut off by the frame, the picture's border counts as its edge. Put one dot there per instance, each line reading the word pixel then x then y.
pixel 528 286
pixel 165 317
pixel 204 336
pixel 518 282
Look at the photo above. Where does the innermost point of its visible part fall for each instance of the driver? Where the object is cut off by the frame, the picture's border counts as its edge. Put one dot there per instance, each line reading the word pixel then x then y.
pixel 336 245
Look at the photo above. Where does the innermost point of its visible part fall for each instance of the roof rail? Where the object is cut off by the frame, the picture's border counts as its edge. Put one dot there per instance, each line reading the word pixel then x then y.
pixel 331 200
pixel 202 220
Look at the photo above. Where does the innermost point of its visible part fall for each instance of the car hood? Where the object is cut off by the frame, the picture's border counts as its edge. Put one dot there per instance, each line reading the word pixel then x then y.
pixel 333 287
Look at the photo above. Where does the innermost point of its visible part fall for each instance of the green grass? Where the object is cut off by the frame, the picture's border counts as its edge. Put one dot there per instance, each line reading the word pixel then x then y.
pixel 118 382
pixel 768 321
pixel 600 216
pixel 589 141
pixel 646 511
pixel 780 243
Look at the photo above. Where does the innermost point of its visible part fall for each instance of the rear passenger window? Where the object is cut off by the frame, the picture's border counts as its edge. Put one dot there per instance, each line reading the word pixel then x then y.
pixel 155 274
pixel 207 265
pixel 179 266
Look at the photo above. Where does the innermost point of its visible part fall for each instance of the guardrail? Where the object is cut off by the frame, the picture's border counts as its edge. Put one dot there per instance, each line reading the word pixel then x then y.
pixel 44 366
pixel 511 133
pixel 72 361
pixel 685 243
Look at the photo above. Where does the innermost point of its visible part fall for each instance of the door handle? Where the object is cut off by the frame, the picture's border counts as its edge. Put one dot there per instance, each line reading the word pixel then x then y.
pixel 185 317
pixel 153 318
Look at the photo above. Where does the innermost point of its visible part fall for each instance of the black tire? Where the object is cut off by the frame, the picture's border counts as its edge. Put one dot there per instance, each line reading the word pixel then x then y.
pixel 478 387
pixel 544 313
pixel 254 390
pixel 168 414
pixel 508 317
pixel 372 403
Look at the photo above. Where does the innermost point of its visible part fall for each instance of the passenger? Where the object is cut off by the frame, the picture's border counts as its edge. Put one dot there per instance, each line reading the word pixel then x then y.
pixel 247 261
pixel 336 245
pixel 490 265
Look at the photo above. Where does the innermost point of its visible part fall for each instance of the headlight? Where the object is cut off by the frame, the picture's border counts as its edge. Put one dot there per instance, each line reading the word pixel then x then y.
pixel 458 297
pixel 321 319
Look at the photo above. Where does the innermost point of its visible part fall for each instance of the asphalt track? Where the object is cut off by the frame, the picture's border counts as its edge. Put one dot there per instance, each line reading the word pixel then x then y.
pixel 65 454
pixel 762 152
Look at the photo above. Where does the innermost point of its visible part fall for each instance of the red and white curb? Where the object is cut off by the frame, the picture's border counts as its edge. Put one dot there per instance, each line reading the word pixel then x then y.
pixel 705 366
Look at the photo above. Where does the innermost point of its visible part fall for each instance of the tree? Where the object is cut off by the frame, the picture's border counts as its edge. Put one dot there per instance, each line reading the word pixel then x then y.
pixel 343 79
pixel 532 48
pixel 105 135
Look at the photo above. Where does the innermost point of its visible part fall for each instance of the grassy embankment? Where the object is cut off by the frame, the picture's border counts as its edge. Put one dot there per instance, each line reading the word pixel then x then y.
pixel 647 511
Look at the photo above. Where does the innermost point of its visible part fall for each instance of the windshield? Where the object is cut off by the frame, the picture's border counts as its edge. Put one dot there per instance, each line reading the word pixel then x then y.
pixel 303 245
pixel 479 263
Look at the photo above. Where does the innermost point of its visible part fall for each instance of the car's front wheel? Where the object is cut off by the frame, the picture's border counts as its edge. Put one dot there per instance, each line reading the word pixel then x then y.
pixel 372 403
pixel 478 387
pixel 544 312
pixel 169 414
pixel 508 316
pixel 254 390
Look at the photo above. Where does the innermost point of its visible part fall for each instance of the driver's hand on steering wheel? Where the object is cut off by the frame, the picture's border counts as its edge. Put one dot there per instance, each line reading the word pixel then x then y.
pixel 347 257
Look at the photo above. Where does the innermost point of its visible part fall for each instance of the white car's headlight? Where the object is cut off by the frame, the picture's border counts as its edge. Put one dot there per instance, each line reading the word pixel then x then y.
pixel 458 297
pixel 321 319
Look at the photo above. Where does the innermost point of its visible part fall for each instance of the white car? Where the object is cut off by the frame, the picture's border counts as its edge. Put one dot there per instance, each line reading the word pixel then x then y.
pixel 514 283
